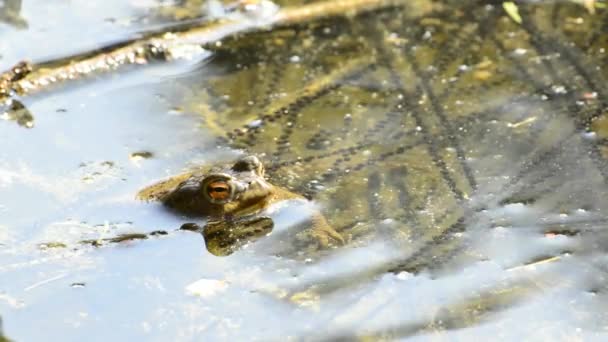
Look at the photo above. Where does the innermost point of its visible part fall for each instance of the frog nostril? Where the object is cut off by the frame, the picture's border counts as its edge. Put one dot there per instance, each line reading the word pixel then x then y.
pixel 249 163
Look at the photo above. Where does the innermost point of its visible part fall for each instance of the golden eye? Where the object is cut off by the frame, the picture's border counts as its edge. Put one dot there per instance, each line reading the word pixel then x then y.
pixel 218 190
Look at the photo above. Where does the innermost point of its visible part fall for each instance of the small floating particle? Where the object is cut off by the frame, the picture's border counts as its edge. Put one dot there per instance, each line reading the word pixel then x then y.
pixel 206 287
pixel 403 275
pixel 308 298
pixel 512 11
pixel 175 111
pixel 525 122
pixel 482 75
pixel 52 245
pixel 520 51
pixel 559 89
pixel 532 265
pixel 78 285
pixel 140 155
pixel 255 123
pixel 590 95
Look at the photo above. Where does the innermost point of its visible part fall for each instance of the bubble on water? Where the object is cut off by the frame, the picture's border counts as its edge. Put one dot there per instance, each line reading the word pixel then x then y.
pixel 589 135
pixel 520 51
pixel 175 111
pixel 388 220
pixel 206 287
pixel 255 123
pixel 559 89
pixel 403 275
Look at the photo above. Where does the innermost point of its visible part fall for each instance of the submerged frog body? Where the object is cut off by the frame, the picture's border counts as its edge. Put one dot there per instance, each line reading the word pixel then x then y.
pixel 234 198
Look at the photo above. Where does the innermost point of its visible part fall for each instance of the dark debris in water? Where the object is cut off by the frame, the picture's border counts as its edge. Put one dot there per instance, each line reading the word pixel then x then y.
pixel 14 110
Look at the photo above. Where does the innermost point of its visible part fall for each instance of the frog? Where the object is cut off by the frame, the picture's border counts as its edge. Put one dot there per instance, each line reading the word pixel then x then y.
pixel 235 198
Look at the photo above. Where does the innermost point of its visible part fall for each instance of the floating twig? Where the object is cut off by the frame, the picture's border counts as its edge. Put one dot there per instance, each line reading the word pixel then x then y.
pixel 175 43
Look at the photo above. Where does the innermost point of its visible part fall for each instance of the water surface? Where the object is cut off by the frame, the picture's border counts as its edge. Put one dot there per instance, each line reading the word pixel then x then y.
pixel 462 154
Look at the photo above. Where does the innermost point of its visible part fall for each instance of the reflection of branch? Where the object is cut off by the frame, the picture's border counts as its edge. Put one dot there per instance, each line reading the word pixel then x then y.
pixel 171 43
pixel 9 13
pixel 15 111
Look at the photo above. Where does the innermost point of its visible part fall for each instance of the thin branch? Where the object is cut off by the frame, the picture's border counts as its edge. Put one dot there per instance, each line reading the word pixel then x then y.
pixel 174 43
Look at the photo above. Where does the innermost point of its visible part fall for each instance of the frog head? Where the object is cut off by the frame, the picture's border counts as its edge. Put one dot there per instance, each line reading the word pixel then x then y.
pixel 225 191
pixel 231 197
pixel 238 189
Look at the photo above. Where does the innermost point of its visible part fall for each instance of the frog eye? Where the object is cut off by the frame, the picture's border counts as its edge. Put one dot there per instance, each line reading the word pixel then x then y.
pixel 249 163
pixel 218 190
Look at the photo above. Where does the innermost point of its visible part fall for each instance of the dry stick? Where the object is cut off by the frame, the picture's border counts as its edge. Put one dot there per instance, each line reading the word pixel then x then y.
pixel 163 44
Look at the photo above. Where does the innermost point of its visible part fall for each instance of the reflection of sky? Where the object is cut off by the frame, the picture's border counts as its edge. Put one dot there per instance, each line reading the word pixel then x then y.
pixel 57 28
pixel 70 177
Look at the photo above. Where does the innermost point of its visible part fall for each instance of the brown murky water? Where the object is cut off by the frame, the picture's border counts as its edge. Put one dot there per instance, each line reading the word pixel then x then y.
pixel 462 155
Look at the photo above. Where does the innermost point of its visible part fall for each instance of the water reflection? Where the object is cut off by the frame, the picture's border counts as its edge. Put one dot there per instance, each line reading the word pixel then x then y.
pixel 223 238
pixel 10 13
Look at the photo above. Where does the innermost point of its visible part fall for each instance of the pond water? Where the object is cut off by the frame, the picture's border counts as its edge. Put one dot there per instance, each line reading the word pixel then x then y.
pixel 461 154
